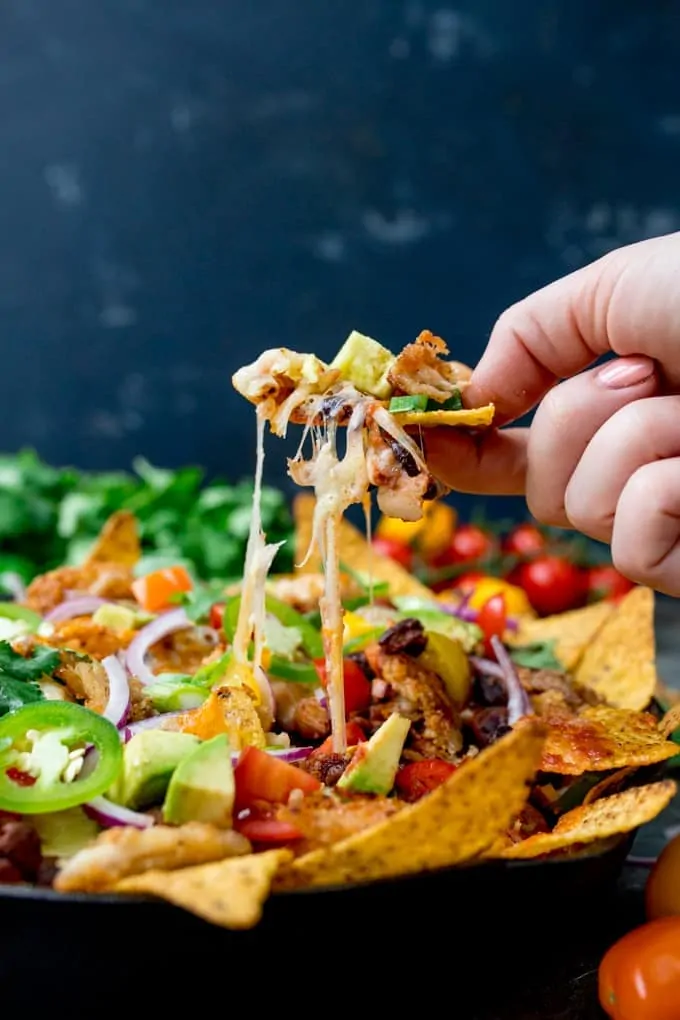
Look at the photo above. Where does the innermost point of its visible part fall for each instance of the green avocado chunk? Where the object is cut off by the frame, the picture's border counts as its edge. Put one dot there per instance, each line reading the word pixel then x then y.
pixel 202 786
pixel 365 363
pixel 374 765
pixel 149 760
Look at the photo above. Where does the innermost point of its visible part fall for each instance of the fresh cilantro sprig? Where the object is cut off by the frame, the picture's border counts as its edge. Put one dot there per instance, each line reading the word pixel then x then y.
pixel 19 675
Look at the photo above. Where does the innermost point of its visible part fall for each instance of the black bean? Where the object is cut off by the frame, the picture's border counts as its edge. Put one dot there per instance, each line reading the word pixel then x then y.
pixel 489 725
pixel 489 691
pixel 407 637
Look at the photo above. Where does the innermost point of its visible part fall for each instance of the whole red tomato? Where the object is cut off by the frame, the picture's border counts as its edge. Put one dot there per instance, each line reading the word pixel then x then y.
pixel 605 582
pixel 398 551
pixel 468 544
pixel 639 977
pixel 552 584
pixel 524 540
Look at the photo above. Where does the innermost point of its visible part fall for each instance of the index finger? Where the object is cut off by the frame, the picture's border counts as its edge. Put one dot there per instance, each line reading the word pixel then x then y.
pixel 627 302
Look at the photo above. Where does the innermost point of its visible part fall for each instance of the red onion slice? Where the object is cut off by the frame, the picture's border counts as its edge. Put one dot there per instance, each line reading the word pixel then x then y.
pixel 108 814
pixel 166 623
pixel 519 704
pixel 118 705
pixel 85 606
pixel 152 723
pixel 487 667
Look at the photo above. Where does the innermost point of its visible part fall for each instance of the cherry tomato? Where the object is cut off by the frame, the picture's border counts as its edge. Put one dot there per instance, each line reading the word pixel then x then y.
pixel 524 540
pixel 553 584
pixel 467 583
pixel 357 687
pixel 396 550
pixel 217 616
pixel 417 778
pixel 354 734
pixel 492 619
pixel 261 776
pixel 606 582
pixel 268 830
pixel 468 543
pixel 662 892
pixel 639 977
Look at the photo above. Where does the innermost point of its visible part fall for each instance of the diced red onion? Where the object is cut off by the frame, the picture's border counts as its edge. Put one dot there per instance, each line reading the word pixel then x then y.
pixel 378 689
pixel 320 696
pixel 152 723
pixel 487 667
pixel 85 606
pixel 108 814
pixel 462 611
pixel 118 705
pixel 519 704
pixel 166 623
pixel 288 754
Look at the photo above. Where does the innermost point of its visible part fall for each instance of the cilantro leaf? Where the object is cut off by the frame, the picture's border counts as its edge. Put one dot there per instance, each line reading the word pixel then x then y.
pixel 42 662
pixel 15 694
pixel 537 655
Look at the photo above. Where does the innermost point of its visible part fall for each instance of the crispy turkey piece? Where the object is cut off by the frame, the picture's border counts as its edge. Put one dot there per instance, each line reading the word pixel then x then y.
pixel 184 651
pixel 419 369
pixel 542 681
pixel 124 851
pixel 418 695
pixel 325 818
pixel 108 580
pixel 82 634
pixel 299 712
pixel 86 681
pixel 280 380
pixel 402 486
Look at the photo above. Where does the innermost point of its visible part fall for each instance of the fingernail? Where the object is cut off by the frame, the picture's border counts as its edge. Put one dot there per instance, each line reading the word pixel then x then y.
pixel 624 372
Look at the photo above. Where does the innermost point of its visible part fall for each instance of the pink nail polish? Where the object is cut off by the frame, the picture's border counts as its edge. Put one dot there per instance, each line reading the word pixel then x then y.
pixel 624 372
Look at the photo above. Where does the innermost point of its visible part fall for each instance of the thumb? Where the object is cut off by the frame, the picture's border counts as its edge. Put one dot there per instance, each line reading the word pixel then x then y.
pixel 628 303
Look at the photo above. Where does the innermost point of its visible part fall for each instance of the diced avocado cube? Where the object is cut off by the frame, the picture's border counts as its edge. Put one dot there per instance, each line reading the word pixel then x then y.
pixel 374 765
pixel 117 618
pixel 365 363
pixel 202 786
pixel 415 402
pixel 149 760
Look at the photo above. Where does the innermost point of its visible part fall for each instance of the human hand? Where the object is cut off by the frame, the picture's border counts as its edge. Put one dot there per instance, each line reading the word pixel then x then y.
pixel 602 454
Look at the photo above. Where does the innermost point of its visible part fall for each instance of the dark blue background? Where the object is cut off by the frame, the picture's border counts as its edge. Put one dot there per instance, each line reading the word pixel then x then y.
pixel 184 184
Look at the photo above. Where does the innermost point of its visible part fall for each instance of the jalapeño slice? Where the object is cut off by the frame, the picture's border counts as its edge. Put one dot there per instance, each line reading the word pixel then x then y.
pixel 40 745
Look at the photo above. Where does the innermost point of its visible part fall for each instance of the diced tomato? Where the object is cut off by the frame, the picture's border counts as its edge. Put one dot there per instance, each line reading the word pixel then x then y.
pixel 153 591
pixel 261 776
pixel 19 777
pixel 396 550
pixel 605 582
pixel 524 540
pixel 357 687
pixel 417 778
pixel 468 544
pixel 492 620
pixel 217 616
pixel 268 830
pixel 355 735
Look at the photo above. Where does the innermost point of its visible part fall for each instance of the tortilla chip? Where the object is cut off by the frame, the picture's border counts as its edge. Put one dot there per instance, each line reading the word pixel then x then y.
pixel 670 722
pixel 230 893
pixel 611 816
pixel 454 823
pixel 619 663
pixel 354 551
pixel 572 632
pixel 600 738
pixel 118 541
pixel 474 418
